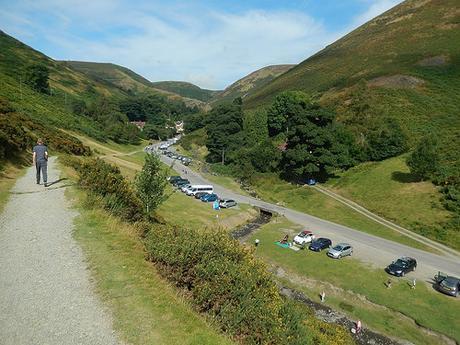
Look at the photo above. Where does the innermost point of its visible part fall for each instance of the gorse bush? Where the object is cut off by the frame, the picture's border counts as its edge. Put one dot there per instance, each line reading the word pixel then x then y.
pixel 106 180
pixel 18 134
pixel 226 281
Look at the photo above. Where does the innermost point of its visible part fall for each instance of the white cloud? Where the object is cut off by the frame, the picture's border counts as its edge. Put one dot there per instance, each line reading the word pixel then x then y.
pixel 375 8
pixel 175 41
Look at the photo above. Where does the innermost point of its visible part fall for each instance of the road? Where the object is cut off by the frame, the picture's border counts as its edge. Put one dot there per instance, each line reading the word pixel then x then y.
pixel 370 249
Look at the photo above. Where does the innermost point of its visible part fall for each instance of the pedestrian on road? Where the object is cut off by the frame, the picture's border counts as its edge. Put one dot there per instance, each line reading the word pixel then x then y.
pixel 40 160
pixel 323 296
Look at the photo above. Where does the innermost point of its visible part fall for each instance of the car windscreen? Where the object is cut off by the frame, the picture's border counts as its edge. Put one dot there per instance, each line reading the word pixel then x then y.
pixel 449 282
pixel 400 263
pixel 338 248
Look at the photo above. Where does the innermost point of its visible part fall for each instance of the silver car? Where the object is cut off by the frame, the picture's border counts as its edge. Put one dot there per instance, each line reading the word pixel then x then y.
pixel 226 203
pixel 340 250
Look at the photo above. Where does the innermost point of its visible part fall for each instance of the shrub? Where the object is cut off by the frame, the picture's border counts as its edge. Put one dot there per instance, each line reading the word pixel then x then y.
pixel 226 281
pixel 106 180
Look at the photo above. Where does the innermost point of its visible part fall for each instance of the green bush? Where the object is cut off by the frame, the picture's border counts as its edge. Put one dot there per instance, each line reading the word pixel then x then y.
pixel 106 180
pixel 226 281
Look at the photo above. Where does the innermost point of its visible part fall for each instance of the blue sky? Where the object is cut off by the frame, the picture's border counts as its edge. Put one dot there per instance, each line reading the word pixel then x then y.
pixel 210 43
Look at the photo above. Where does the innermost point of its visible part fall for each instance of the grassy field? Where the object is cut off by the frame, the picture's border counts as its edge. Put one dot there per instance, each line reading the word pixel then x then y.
pixel 188 212
pixel 359 291
pixel 388 189
pixel 145 309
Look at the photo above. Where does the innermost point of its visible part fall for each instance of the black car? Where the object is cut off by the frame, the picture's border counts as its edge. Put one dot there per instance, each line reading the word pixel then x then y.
pixel 173 179
pixel 447 284
pixel 198 195
pixel 320 244
pixel 402 266
pixel 181 182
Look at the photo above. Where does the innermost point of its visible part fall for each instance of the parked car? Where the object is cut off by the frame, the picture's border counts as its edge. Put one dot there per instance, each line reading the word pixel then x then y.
pixel 209 197
pixel 227 203
pixel 181 182
pixel 340 250
pixel 200 194
pixel 402 266
pixel 173 179
pixel 320 244
pixel 447 284
pixel 186 187
pixel 304 237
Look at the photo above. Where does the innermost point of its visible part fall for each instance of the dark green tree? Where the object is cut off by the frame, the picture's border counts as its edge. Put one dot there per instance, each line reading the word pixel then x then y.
pixel 255 127
pixel 224 129
pixel 36 76
pixel 385 141
pixel 316 145
pixel 424 160
pixel 284 108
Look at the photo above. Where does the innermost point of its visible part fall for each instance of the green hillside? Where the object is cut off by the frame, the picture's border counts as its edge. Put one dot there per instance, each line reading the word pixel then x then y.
pixel 185 89
pixel 66 86
pixel 251 83
pixel 404 63
pixel 123 78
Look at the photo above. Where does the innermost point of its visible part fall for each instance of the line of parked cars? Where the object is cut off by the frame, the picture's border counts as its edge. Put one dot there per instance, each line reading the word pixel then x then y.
pixel 185 160
pixel 205 193
pixel 318 244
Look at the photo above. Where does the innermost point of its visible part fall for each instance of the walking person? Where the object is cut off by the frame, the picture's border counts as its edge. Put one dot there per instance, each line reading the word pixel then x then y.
pixel 40 160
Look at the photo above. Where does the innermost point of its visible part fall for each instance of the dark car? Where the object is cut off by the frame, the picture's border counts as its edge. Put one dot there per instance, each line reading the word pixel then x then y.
pixel 209 197
pixel 402 266
pixel 181 182
pixel 173 179
pixel 198 195
pixel 320 244
pixel 447 284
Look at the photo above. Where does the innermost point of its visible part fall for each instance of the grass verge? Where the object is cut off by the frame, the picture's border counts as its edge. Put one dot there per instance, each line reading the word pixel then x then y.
pixel 145 309
pixel 346 281
pixel 8 176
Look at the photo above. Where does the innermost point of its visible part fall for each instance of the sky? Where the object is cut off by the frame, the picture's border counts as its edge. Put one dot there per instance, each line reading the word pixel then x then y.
pixel 210 43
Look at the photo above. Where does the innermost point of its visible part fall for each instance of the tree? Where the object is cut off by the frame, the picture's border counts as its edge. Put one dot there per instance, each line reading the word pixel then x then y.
pixel 385 141
pixel 224 129
pixel 316 145
pixel 424 160
pixel 36 76
pixel 285 106
pixel 255 127
pixel 151 183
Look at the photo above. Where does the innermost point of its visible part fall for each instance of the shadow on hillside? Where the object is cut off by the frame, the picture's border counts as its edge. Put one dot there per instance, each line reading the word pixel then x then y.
pixel 403 177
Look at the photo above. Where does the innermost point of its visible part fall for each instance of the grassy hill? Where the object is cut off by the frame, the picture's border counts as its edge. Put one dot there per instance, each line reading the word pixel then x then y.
pixel 250 83
pixel 405 62
pixel 123 78
pixel 67 85
pixel 185 89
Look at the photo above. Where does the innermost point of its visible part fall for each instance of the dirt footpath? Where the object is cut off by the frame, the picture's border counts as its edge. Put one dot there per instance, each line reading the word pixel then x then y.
pixel 46 294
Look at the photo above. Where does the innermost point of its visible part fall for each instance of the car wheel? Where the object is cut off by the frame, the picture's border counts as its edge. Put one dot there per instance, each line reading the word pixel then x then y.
pixel 351 253
pixel 413 269
pixel 402 274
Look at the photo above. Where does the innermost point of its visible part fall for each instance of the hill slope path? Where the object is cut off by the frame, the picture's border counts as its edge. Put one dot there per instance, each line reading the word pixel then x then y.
pixel 45 289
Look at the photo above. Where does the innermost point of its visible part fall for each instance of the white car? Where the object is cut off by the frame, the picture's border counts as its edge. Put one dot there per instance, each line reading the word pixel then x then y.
pixel 304 237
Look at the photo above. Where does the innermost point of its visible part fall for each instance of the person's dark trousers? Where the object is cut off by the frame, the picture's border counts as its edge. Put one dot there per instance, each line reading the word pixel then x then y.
pixel 42 167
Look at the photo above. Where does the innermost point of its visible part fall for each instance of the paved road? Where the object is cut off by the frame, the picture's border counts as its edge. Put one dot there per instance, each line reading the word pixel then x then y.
pixel 46 295
pixel 370 249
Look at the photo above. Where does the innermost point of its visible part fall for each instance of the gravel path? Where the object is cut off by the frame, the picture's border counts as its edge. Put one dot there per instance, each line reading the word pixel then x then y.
pixel 45 289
